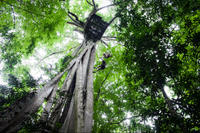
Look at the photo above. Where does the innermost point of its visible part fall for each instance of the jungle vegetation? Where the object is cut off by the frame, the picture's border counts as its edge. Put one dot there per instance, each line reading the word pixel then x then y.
pixel 150 82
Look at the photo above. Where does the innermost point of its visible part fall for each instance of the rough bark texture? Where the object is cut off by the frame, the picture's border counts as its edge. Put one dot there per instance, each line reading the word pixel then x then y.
pixel 12 118
pixel 74 109
pixel 80 111
pixel 47 109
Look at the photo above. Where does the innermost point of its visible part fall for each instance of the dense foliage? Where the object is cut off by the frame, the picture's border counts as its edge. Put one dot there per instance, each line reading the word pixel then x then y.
pixel 162 51
pixel 151 81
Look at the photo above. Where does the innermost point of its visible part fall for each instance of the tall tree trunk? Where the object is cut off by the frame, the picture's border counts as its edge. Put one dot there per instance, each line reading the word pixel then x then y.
pixel 12 118
pixel 75 109
pixel 79 114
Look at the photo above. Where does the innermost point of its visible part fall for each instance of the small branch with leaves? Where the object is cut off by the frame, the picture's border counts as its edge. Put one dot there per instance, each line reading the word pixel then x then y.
pixel 99 90
pixel 58 52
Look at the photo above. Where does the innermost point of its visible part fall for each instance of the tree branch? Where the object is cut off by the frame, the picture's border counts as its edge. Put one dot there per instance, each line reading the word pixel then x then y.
pixel 79 31
pixel 99 91
pixel 172 109
pixel 76 20
pixel 104 42
pixel 109 38
pixel 106 6
pixel 115 16
pixel 112 20
pixel 50 55
pixel 73 15
pixel 89 3
pixel 75 24
pixel 58 52
pixel 94 5
pixel 69 15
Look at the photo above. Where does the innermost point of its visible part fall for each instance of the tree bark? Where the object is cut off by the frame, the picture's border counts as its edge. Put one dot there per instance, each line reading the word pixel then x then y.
pixel 80 111
pixel 47 109
pixel 75 108
pixel 12 118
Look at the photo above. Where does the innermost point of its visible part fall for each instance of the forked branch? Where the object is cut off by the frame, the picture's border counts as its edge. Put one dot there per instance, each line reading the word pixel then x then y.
pixel 70 13
pixel 95 9
pixel 106 6
pixel 89 3
pixel 94 5
pixel 75 20
pixel 75 24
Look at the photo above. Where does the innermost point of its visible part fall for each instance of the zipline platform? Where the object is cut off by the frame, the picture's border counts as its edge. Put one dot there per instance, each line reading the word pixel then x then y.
pixel 95 27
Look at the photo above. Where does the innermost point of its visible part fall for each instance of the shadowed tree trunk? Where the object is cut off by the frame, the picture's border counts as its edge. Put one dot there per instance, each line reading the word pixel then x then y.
pixel 13 117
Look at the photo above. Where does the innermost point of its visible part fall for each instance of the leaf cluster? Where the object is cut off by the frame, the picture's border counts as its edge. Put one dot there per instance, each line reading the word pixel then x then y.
pixel 162 50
